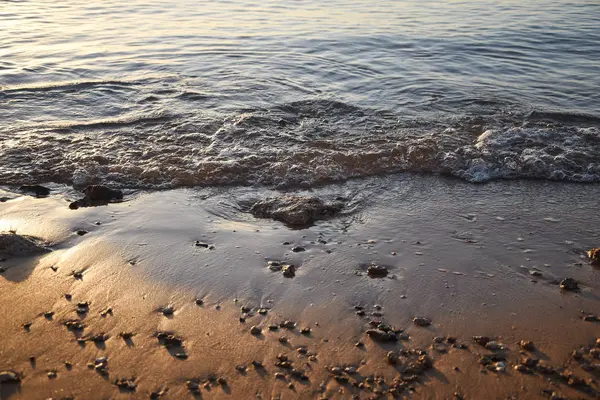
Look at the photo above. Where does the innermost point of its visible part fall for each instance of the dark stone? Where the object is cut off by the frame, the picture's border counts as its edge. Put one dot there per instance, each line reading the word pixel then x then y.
pixel 527 345
pixel 83 304
pixel 99 338
pixel 529 362
pixel 167 311
pixel 74 325
pixel 126 335
pixel 422 321
pixel 490 359
pixel 126 385
pixel 169 340
pixel 82 232
pixel 296 211
pixel 392 358
pixel 97 195
pixel 298 249
pixel 594 255
pixel 381 336
pixel 481 340
pixel 36 190
pixel 591 318
pixel 569 284
pixel 255 330
pixel 522 369
pixel 289 271
pixel 288 324
pixel 275 266
pixel 9 377
pixel 298 374
pixel 376 271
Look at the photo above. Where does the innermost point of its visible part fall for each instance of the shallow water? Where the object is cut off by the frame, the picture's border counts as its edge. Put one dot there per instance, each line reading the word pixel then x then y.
pixel 164 94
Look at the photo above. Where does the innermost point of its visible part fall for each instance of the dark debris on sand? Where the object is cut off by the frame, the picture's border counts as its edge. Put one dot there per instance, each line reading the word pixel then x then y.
pixel 296 211
pixel 97 195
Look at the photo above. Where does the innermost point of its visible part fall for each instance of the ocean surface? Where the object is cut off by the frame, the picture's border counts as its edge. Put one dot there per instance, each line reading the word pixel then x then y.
pixel 162 94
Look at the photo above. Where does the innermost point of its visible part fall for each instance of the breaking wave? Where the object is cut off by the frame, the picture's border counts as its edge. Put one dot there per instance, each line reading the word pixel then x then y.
pixel 303 143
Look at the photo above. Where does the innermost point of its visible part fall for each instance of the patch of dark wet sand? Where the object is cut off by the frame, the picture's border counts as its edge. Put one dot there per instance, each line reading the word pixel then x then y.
pixel 463 275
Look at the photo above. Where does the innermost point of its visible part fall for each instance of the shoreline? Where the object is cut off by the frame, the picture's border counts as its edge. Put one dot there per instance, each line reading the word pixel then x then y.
pixel 459 255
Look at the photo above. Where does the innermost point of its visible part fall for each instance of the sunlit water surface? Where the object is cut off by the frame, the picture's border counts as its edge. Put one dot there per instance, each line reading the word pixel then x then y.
pixel 284 93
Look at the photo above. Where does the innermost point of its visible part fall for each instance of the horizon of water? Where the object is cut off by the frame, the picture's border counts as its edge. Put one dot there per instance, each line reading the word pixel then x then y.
pixel 297 93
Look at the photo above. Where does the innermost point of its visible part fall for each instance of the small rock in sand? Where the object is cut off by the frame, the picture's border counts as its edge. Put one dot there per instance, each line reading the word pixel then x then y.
pixel 169 340
pixel 481 340
pixel 422 321
pixel 289 271
pixel 280 376
pixel 495 346
pixel 9 377
pixel 591 318
pixel 126 335
pixel 569 284
pixel 274 266
pixel 522 369
pixel 74 325
pixel 126 384
pixel 527 345
pixel 381 336
pixel 167 311
pixel 99 338
pixel 97 195
pixel 36 190
pixel 392 358
pixel 298 249
pixel 594 255
pixel 255 330
pixel 296 210
pixel 77 274
pixel 376 271
pixel 288 324
pixel 193 386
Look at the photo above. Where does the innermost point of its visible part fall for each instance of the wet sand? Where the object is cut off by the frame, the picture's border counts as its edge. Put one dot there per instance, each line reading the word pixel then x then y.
pixel 462 256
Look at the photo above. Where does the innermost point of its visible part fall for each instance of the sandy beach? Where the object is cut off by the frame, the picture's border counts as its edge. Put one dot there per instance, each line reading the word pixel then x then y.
pixel 171 294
